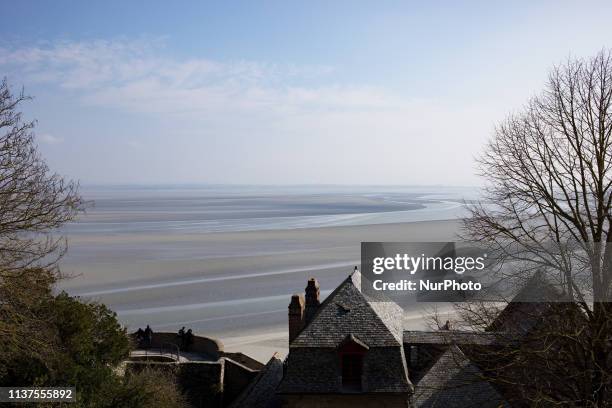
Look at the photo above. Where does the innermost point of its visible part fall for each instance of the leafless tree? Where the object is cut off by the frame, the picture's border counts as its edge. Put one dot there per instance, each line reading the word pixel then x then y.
pixel 34 203
pixel 547 207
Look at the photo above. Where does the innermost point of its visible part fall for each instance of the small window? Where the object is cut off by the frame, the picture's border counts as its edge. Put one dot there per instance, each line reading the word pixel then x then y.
pixel 352 368
pixel 351 354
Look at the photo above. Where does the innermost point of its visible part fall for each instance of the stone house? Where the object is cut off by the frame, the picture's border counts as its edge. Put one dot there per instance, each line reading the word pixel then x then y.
pixel 351 350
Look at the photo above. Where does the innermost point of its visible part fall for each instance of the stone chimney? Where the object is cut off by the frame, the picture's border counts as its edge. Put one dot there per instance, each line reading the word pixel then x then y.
pixel 296 316
pixel 312 299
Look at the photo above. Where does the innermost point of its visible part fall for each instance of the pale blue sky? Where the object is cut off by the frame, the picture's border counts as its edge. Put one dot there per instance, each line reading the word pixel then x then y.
pixel 342 92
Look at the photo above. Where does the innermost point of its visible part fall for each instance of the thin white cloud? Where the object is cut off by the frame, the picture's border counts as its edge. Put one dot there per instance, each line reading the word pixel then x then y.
pixel 298 117
pixel 131 75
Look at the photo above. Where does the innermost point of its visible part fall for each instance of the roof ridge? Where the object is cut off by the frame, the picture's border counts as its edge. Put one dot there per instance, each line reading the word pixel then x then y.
pixel 388 315
pixel 326 301
pixel 377 303
pixel 454 376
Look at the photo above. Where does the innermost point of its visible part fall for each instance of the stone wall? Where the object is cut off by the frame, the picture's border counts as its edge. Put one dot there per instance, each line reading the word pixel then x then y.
pixel 236 377
pixel 209 346
pixel 244 360
pixel 206 383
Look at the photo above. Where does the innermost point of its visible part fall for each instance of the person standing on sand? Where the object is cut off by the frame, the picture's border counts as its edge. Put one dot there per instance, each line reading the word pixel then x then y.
pixel 148 336
pixel 140 335
pixel 188 339
pixel 181 336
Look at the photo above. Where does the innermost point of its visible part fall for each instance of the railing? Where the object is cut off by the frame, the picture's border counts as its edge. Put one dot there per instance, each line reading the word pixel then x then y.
pixel 173 349
pixel 170 350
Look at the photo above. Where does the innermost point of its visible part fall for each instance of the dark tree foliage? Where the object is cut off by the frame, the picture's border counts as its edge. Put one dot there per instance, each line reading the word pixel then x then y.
pixel 86 345
pixel 151 388
pixel 47 339
pixel 23 328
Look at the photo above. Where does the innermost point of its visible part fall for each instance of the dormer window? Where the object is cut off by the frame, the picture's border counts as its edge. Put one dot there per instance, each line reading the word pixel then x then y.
pixel 352 370
pixel 351 353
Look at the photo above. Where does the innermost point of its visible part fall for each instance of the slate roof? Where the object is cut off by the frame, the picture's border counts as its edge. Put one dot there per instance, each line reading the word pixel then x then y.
pixel 538 289
pixel 453 382
pixel 449 337
pixel 313 364
pixel 532 302
pixel 378 323
pixel 260 393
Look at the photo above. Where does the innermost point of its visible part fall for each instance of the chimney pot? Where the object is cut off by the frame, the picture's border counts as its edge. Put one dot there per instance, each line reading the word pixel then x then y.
pixel 312 299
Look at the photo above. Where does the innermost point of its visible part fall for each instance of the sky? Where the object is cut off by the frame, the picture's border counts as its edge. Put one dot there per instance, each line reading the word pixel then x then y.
pixel 278 92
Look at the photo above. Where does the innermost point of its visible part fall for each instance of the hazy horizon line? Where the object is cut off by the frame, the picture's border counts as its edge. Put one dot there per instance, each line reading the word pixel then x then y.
pixel 194 184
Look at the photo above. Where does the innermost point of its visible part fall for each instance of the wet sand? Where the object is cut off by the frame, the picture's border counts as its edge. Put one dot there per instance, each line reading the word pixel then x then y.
pixel 232 285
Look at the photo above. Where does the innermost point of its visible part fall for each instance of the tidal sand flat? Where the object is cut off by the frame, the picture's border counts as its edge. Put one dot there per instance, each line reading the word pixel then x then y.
pixel 223 282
